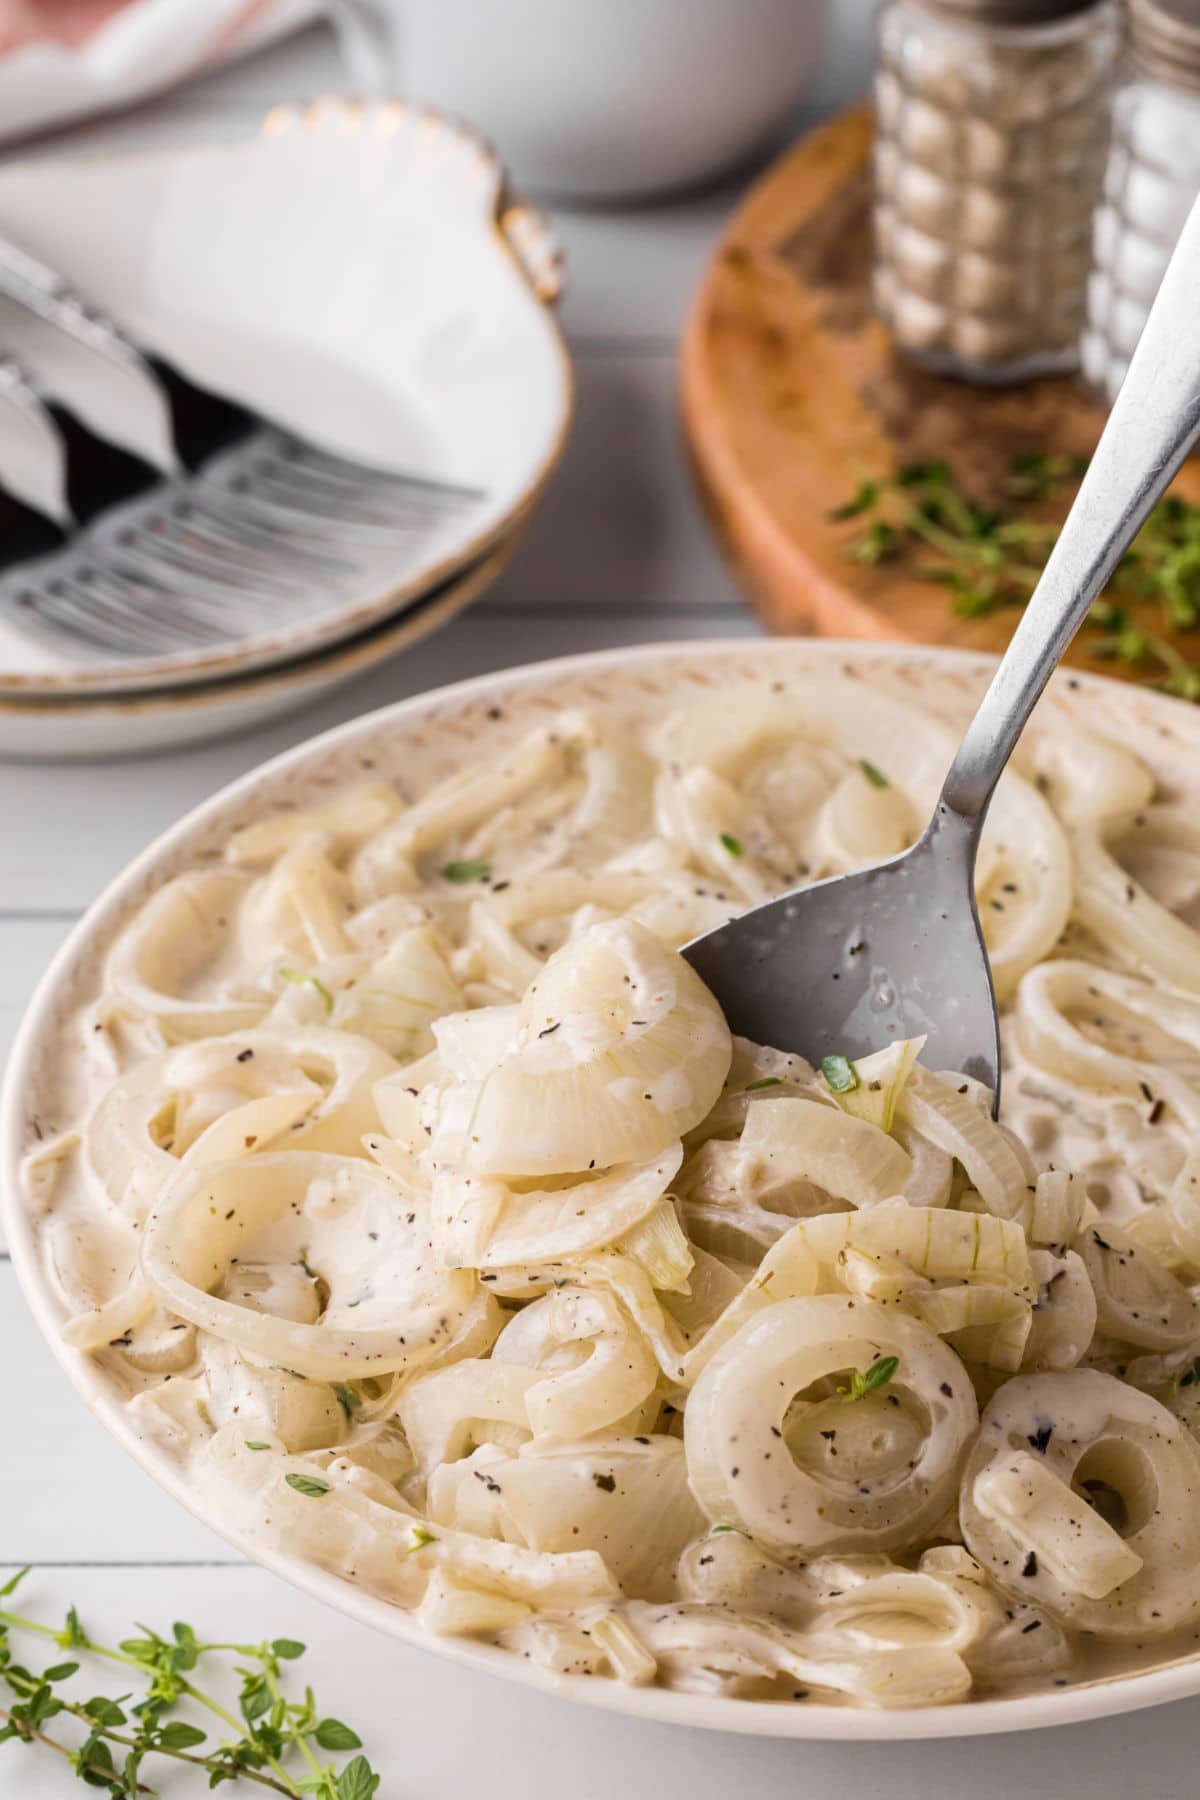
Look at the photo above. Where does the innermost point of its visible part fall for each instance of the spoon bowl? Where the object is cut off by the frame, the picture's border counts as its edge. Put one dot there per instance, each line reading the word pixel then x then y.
pixel 890 952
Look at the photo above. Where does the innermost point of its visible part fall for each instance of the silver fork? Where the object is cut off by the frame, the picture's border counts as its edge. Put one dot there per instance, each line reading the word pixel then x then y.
pixel 245 530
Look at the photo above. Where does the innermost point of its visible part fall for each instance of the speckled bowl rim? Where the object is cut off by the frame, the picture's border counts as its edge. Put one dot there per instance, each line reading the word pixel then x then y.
pixel 671 672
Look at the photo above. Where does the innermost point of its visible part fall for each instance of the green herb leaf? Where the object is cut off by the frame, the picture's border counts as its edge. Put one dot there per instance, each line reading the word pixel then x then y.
pixel 921 474
pixel 331 1734
pixel 867 1381
pixel 766 1081
pixel 299 977
pixel 178 1735
pixel 92 1760
pixel 873 775
pixel 878 543
pixel 471 869
pixel 13 1583
pixel 357 1781
pixel 286 1649
pixel 252 1444
pixel 187 1650
pixel 104 1711
pixel 734 845
pixel 862 502
pixel 880 1373
pixel 59 1672
pixel 718 1529
pixel 839 1074
pixel 255 1699
pixel 312 1485
pixel 421 1536
pixel 347 1399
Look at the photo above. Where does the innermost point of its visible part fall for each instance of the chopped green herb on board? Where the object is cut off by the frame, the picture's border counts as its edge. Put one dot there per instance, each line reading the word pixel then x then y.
pixel 989 557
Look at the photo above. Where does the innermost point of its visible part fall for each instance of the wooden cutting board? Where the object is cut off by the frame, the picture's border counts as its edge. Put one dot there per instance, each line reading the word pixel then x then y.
pixel 791 396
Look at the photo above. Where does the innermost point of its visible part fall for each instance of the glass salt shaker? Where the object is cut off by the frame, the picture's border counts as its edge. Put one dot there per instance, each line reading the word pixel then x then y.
pixel 991 123
pixel 1151 178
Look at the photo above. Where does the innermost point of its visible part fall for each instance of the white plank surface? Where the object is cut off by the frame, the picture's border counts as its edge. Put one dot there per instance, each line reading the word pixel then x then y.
pixel 439 1734
pixel 618 554
pixel 27 942
pixel 80 1499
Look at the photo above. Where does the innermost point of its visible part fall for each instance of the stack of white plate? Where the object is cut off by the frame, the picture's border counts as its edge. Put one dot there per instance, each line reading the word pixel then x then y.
pixel 357 274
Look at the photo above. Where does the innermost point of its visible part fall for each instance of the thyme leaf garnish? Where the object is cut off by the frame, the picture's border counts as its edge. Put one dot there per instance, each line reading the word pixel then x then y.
pixel 300 978
pixel 471 868
pixel 839 1073
pixel 867 1381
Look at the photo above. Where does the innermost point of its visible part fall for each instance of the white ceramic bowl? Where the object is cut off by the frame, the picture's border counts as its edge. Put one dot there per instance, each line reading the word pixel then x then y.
pixel 625 98
pixel 427 737
pixel 359 274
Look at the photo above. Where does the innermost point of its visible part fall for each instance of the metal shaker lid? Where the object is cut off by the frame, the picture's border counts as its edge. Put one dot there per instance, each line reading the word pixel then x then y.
pixel 1007 12
pixel 1164 36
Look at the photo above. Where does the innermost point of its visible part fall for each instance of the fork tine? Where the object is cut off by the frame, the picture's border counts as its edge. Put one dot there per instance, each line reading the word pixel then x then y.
pixel 343 483
pixel 312 456
pixel 289 510
pixel 91 613
pixel 177 577
pixel 396 499
pixel 187 555
pixel 129 603
pixel 245 534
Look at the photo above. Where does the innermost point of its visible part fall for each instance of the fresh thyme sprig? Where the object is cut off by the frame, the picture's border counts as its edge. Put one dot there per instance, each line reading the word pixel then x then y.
pixel 868 1381
pixel 990 557
pixel 272 1745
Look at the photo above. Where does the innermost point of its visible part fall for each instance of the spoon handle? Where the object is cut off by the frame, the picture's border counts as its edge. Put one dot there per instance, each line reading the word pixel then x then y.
pixel 1153 425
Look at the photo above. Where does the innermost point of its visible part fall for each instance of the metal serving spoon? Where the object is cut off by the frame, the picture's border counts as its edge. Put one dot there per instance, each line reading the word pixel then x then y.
pixel 847 965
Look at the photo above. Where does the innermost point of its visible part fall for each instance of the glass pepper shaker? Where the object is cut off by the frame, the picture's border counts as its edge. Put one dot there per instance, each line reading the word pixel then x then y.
pixel 1151 178
pixel 991 129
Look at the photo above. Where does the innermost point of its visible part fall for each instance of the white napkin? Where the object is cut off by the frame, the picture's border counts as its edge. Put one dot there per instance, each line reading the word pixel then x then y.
pixel 64 59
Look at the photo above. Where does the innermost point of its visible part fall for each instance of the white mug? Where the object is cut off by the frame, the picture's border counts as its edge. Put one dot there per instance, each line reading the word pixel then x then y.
pixel 606 99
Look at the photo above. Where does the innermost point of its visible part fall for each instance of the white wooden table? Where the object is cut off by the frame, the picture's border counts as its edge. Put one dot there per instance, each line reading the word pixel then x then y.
pixel 618 554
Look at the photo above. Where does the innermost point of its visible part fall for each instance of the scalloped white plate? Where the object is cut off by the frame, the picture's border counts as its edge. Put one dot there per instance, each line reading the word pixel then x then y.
pixel 426 738
pixel 356 272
